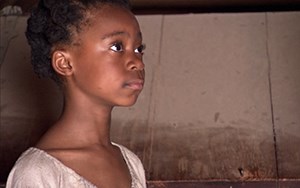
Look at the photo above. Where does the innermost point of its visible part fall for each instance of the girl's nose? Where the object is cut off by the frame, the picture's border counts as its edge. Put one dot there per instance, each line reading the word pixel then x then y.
pixel 135 62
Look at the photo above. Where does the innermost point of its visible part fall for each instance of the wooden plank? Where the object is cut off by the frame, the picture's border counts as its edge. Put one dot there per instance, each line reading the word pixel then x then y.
pixel 284 45
pixel 213 117
pixel 180 6
pixel 224 184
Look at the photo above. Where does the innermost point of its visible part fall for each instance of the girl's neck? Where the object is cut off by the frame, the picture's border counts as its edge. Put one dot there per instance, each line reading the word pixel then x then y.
pixel 81 125
pixel 90 122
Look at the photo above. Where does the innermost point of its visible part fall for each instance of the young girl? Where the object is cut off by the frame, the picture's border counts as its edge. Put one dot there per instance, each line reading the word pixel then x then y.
pixel 93 49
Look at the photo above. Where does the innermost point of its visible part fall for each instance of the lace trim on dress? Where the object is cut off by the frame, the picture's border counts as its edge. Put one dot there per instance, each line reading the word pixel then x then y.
pixel 134 178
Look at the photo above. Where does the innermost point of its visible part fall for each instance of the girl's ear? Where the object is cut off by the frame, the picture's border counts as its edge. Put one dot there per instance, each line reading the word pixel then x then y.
pixel 61 63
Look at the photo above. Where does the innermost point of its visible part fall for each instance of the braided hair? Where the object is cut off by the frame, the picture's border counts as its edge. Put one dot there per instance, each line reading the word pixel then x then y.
pixel 53 23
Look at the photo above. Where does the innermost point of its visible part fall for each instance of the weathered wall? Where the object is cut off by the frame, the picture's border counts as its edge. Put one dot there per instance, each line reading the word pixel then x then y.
pixel 222 98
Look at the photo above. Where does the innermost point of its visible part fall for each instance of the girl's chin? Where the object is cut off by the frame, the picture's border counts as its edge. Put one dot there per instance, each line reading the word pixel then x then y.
pixel 127 103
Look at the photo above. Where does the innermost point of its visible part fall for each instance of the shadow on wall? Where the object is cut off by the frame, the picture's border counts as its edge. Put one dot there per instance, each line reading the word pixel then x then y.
pixel 29 105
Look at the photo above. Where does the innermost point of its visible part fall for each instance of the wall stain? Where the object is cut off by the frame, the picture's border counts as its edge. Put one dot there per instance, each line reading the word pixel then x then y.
pixel 217 115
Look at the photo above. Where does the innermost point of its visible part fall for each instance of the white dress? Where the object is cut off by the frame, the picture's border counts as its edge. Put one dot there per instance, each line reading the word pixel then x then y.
pixel 36 168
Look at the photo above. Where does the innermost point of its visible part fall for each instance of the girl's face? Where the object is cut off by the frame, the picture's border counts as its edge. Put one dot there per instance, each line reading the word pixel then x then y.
pixel 107 58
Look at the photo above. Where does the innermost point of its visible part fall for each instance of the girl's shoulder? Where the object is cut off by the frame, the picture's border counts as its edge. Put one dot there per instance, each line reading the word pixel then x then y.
pixel 36 168
pixel 32 161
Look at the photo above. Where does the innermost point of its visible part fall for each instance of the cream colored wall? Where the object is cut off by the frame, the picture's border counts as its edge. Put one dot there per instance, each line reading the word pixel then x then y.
pixel 220 89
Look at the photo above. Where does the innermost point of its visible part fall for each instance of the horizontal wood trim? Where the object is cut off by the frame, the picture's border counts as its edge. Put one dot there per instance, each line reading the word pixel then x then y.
pixel 225 184
pixel 183 6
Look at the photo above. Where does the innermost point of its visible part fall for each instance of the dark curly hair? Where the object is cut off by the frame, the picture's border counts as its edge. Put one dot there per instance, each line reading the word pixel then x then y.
pixel 52 23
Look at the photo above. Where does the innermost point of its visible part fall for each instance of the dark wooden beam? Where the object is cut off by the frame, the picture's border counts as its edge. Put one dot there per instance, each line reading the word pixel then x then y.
pixel 225 184
pixel 190 6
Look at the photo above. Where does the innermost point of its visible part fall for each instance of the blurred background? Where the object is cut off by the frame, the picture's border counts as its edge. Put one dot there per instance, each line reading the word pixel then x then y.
pixel 221 105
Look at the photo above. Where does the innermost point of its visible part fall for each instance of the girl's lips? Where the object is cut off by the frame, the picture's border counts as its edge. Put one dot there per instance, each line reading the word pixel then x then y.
pixel 135 84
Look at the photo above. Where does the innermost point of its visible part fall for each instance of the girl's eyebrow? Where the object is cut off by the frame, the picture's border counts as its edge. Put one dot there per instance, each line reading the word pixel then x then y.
pixel 118 33
pixel 113 34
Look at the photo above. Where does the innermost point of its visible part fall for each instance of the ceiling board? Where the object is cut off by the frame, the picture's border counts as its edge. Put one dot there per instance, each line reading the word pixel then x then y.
pixel 185 6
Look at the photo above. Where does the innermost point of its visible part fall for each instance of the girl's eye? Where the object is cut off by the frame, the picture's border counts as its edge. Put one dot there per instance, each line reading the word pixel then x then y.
pixel 140 49
pixel 117 47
